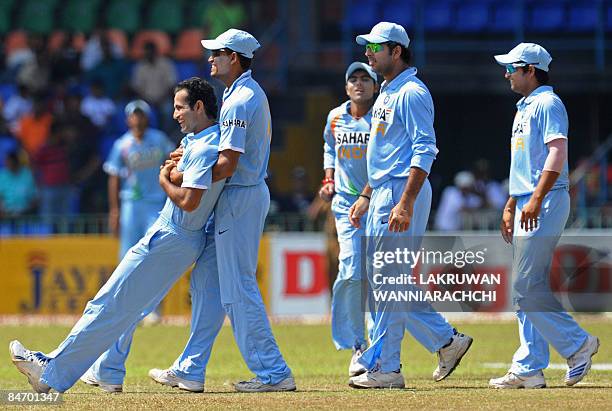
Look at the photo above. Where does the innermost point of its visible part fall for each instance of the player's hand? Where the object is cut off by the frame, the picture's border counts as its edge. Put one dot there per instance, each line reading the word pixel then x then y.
pixel 176 177
pixel 400 217
pixel 530 213
pixel 327 191
pixel 113 222
pixel 176 154
pixel 166 168
pixel 507 225
pixel 357 210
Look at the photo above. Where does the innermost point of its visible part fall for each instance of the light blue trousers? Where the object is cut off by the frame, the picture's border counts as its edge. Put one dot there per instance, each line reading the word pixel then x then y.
pixel 391 318
pixel 347 313
pixel 239 219
pixel 154 264
pixel 541 319
pixel 135 219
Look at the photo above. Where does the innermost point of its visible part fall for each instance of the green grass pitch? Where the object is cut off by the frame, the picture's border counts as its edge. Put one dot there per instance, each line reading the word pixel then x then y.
pixel 321 373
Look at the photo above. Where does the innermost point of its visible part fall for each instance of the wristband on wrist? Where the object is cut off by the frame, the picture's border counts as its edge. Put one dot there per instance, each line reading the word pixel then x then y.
pixel 327 181
pixel 364 196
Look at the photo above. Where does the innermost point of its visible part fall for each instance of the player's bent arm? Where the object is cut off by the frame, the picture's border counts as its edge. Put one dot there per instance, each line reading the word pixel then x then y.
pixel 226 164
pixel 555 160
pixel 176 177
pixel 416 178
pixel 187 198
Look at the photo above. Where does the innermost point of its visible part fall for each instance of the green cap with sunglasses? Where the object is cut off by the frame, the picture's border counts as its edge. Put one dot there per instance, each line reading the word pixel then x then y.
pixel 525 54
pixel 384 32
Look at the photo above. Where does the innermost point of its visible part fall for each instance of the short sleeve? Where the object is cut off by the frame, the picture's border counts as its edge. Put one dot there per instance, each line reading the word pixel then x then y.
pixel 197 170
pixel 552 119
pixel 329 143
pixel 114 164
pixel 234 123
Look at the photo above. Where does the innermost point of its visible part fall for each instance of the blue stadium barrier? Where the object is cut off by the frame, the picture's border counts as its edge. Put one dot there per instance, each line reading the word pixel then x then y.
pixel 583 16
pixel 506 16
pixel 363 14
pixel 186 69
pixel 400 12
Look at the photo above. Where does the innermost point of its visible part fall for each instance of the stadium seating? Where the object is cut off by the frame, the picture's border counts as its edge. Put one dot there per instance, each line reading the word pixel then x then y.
pixel 57 37
pixel 14 41
pixel 119 38
pixel 363 14
pixel 185 69
pixel 583 16
pixel 124 15
pixel 188 46
pixel 546 16
pixel 161 40
pixel 80 15
pixel 400 12
pixel 438 15
pixel 506 17
pixel 37 16
pixel 472 16
pixel 165 16
pixel 6 7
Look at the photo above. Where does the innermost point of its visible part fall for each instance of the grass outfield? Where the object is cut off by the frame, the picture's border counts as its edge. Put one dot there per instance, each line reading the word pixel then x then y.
pixel 320 373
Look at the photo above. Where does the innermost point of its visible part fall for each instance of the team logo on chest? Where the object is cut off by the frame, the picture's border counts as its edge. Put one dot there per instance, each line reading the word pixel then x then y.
pixel 351 137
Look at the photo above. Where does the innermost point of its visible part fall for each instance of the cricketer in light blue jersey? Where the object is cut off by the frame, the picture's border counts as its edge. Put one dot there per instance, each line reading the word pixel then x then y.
pixel 150 268
pixel 346 137
pixel 533 220
pixel 246 127
pixel 244 151
pixel 540 118
pixel 133 162
pixel 402 129
pixel 400 153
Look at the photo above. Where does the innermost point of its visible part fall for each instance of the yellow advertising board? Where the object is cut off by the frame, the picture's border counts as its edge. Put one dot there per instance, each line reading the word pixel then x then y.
pixel 59 274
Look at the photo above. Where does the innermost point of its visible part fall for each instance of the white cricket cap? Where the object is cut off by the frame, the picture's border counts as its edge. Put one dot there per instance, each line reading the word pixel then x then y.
pixel 137 105
pixel 464 179
pixel 236 40
pixel 383 32
pixel 529 53
pixel 358 65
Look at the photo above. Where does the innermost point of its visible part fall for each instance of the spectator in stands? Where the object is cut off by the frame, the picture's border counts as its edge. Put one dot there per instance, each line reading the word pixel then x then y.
pixel 221 14
pixel 300 198
pixel 33 129
pixel 455 200
pixel 17 105
pixel 93 52
pixel 81 139
pixel 53 176
pixel 36 73
pixel 64 62
pixel 17 188
pixel 112 71
pixel 153 80
pixel 490 191
pixel 97 106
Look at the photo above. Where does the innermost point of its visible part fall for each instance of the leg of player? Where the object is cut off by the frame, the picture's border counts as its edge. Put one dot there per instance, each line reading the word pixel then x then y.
pixel 207 314
pixel 155 263
pixel 239 220
pixel 347 313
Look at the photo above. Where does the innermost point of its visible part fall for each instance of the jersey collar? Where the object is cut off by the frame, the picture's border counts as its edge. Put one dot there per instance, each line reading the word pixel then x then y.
pixel 202 133
pixel 534 94
pixel 240 80
pixel 399 80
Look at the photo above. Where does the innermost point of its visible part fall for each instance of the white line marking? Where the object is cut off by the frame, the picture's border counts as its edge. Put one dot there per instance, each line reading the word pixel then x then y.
pixel 555 366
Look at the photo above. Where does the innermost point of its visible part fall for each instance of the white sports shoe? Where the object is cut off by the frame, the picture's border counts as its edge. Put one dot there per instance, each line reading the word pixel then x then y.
pixel 511 380
pixel 169 378
pixel 355 368
pixel 254 385
pixel 31 364
pixel 89 379
pixel 580 363
pixel 378 379
pixel 450 356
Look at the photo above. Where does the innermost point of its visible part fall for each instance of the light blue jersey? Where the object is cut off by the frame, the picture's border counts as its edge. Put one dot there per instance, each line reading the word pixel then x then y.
pixel 246 127
pixel 540 118
pixel 137 164
pixel 200 155
pixel 402 134
pixel 346 139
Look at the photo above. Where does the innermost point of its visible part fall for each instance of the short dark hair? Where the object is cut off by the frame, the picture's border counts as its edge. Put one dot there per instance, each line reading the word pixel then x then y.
pixel 199 89
pixel 540 75
pixel 406 55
